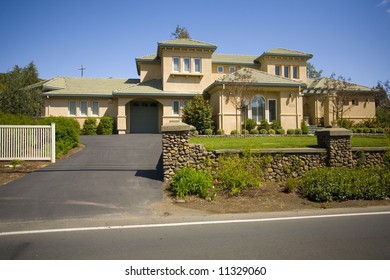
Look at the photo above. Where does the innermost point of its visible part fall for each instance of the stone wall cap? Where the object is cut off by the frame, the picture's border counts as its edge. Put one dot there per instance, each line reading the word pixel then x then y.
pixel 274 151
pixel 177 126
pixel 334 131
pixel 370 149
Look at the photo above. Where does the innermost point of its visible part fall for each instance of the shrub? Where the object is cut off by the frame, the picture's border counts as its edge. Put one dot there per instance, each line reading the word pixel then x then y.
pixel 245 132
pixel 196 132
pixel 264 125
pixel 359 130
pixel 291 185
pixel 329 184
pixel 67 133
pixel 290 131
pixel 89 127
pixel 18 119
pixel 275 125
pixel 271 132
pixel 198 113
pixel 188 181
pixel 263 131
pixel 366 130
pixel 220 132
pixel 380 130
pixel 298 131
pixel 254 131
pixel 304 127
pixel 372 130
pixel 250 124
pixel 234 132
pixel 106 126
pixel 345 123
pixel 208 131
pixel 237 174
pixel 280 131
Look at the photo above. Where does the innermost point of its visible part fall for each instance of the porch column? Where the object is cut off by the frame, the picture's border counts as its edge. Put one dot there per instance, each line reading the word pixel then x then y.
pixel 122 118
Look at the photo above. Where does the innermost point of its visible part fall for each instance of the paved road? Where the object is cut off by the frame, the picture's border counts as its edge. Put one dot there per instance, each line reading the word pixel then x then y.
pixel 112 175
pixel 333 237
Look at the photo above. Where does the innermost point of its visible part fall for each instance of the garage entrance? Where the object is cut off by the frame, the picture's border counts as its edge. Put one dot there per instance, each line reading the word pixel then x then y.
pixel 144 117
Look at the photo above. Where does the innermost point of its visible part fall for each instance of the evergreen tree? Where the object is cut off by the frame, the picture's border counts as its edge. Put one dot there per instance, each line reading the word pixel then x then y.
pixel 181 33
pixel 198 114
pixel 312 72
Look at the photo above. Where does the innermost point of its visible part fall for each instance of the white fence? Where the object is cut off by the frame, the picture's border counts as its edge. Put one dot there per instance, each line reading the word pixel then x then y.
pixel 27 142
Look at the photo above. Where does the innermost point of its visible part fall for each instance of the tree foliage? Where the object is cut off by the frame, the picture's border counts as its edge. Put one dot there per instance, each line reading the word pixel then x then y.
pixel 15 95
pixel 181 33
pixel 198 113
pixel 382 102
pixel 312 72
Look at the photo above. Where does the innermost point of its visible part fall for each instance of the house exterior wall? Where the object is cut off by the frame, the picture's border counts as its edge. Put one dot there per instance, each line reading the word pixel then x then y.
pixel 268 65
pixel 150 71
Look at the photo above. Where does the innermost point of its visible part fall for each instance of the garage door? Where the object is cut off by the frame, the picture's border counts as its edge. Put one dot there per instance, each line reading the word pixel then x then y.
pixel 143 117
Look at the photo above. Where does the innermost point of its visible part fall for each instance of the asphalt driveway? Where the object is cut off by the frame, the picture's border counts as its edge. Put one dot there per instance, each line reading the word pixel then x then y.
pixel 114 174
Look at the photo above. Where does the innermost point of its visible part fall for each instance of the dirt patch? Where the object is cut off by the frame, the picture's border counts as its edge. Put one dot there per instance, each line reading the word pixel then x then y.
pixel 269 198
pixel 10 172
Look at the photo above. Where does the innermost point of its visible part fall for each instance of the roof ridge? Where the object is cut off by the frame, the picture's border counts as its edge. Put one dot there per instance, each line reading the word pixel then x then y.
pixel 272 75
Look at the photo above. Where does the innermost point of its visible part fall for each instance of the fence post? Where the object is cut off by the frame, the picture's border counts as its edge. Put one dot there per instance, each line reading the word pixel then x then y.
pixel 53 142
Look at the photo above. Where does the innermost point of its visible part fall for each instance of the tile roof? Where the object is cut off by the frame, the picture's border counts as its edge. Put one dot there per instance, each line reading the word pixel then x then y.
pixel 316 86
pixel 285 52
pixel 233 59
pixel 69 86
pixel 186 43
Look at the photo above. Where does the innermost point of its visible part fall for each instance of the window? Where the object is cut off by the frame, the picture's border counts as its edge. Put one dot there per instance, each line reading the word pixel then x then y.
pixel 185 103
pixel 277 70
pixel 176 64
pixel 295 72
pixel 287 71
pixel 95 108
pixel 83 108
pixel 197 68
pixel 72 108
pixel 271 110
pixel 220 69
pixel 175 107
pixel 258 108
pixel 232 69
pixel 355 102
pixel 186 65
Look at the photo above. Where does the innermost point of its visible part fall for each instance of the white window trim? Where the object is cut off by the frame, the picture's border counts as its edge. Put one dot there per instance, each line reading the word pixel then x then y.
pixel 184 65
pixel 173 108
pixel 276 109
pixel 200 65
pixel 98 108
pixel 173 64
pixel 220 67
pixel 81 113
pixel 75 105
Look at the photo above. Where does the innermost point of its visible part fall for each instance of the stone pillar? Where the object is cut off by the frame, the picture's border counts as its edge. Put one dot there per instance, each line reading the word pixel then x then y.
pixel 176 150
pixel 337 142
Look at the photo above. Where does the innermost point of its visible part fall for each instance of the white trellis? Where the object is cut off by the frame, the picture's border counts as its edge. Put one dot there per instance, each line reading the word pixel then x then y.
pixel 27 142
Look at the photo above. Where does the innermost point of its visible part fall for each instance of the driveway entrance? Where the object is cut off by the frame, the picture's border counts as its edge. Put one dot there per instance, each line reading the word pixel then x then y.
pixel 113 174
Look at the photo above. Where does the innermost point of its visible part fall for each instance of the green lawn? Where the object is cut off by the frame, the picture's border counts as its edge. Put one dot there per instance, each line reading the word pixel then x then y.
pixel 280 142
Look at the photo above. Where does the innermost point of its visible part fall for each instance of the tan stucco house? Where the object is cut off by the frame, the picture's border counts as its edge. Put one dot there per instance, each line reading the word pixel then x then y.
pixel 182 68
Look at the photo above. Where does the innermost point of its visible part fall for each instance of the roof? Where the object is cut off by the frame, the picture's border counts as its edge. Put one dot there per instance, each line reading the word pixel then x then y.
pixel 233 59
pixel 186 43
pixel 285 53
pixel 319 85
pixel 150 88
pixel 257 78
pixel 69 86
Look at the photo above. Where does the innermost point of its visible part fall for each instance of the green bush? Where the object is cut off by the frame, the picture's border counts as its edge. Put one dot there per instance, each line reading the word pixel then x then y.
pixel 234 132
pixel 254 131
pixel 188 181
pixel 329 184
pixel 275 125
pixel 67 133
pixel 380 130
pixel 298 131
pixel 237 174
pixel 366 130
pixel 280 131
pixel 245 132
pixel 89 127
pixel 250 124
pixel 208 131
pixel 18 119
pixel 271 131
pixel 292 185
pixel 372 130
pixel 263 131
pixel 106 126
pixel 264 125
pixel 290 131
pixel 220 132
pixel 304 127
pixel 345 123
pixel 359 130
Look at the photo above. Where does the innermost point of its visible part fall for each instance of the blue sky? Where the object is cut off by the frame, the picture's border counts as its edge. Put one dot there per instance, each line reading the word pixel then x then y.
pixel 347 37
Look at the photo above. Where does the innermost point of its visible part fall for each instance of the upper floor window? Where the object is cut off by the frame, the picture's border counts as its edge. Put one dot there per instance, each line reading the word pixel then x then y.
pixel 83 108
pixel 277 70
pixel 72 108
pixel 186 64
pixel 197 67
pixel 176 64
pixel 232 69
pixel 220 69
pixel 287 71
pixel 295 72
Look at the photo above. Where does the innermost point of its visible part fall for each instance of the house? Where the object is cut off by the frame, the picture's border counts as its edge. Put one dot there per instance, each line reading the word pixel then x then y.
pixel 182 68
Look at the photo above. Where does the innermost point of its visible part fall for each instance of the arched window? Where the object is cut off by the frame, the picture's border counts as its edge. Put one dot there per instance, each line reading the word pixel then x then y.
pixel 258 108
